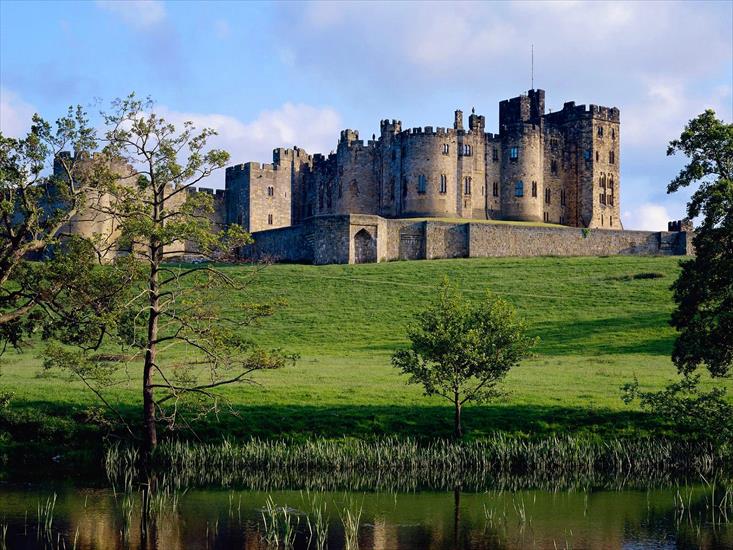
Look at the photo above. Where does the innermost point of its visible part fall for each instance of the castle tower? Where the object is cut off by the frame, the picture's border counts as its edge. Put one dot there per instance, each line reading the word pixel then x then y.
pixel 522 162
pixel 389 167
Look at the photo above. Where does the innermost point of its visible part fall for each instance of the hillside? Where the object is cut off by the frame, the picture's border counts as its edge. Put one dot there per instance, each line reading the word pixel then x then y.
pixel 602 321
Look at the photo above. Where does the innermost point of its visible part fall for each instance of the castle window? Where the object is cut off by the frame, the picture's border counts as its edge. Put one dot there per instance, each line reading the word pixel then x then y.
pixel 270 191
pixel 534 188
pixel 547 196
pixel 495 155
pixel 553 167
pixel 496 189
pixel 467 186
pixel 597 156
pixel 443 183
pixel 340 190
pixel 483 190
pixel 610 221
pixel 446 148
pixel 546 217
pixel 391 189
pixel 422 184
pixel 562 197
pixel 404 188
pixel 467 150
pixel 611 157
pixel 601 220
pixel 269 219
pixel 600 131
pixel 519 189
pixel 513 154
pixel 613 133
pixel 603 198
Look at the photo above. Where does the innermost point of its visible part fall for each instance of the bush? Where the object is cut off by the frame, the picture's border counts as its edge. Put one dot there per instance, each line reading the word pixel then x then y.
pixel 692 411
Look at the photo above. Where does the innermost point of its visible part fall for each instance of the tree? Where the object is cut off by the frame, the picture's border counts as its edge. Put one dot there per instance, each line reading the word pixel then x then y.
pixel 461 351
pixel 704 290
pixel 187 346
pixel 41 190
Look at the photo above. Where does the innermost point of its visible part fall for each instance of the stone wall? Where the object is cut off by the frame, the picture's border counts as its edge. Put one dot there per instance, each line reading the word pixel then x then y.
pixel 514 240
pixel 368 238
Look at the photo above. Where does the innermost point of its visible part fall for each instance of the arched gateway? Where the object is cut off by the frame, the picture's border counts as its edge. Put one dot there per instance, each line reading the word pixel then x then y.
pixel 365 247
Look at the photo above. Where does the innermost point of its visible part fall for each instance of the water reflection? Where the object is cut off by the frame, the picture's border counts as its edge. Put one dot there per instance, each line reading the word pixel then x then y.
pixel 86 518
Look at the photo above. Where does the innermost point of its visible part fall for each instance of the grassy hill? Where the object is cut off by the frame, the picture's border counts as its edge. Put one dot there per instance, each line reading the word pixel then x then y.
pixel 602 321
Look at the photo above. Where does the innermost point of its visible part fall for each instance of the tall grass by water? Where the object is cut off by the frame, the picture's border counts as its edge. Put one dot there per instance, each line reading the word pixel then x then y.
pixel 406 465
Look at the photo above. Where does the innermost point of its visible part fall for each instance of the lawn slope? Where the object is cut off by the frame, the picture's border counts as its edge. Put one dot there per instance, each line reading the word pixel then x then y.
pixel 601 321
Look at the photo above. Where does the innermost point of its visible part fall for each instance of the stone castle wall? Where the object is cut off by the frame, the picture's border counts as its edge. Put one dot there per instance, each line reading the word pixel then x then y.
pixel 368 238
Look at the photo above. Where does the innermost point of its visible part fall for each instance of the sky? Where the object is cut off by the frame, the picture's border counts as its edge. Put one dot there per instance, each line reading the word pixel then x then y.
pixel 267 75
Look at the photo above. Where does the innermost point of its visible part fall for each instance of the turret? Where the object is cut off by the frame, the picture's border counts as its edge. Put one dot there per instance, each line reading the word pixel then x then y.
pixel 458 120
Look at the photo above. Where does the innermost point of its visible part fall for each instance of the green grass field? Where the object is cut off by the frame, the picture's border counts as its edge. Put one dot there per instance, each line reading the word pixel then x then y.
pixel 599 327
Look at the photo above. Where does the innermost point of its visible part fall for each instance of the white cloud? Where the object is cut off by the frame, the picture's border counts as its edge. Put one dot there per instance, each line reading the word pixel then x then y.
pixel 140 14
pixel 15 114
pixel 314 129
pixel 648 216
pixel 663 109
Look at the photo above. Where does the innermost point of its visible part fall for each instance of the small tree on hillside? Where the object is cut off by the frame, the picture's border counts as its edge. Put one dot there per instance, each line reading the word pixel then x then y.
pixel 461 351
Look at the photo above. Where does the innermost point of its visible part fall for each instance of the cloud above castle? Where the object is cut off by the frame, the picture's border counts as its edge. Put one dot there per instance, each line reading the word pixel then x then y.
pixel 249 67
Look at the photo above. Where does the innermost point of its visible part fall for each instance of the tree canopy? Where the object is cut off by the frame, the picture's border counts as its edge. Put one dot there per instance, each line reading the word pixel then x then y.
pixel 704 290
pixel 460 351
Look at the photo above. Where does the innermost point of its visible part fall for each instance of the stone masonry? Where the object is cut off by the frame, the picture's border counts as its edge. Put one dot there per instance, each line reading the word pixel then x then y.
pixel 560 167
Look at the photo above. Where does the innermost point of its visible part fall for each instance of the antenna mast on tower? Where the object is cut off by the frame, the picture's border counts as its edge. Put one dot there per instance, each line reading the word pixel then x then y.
pixel 533 66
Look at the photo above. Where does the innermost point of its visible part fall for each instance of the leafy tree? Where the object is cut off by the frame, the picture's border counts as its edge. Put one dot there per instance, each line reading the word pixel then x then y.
pixel 461 351
pixel 188 348
pixel 41 190
pixel 704 290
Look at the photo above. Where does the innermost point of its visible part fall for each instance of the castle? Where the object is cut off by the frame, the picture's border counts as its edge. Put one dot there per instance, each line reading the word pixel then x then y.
pixel 560 168
pixel 425 193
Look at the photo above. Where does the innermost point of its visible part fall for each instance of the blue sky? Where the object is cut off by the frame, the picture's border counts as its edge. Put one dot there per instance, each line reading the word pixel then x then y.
pixel 272 74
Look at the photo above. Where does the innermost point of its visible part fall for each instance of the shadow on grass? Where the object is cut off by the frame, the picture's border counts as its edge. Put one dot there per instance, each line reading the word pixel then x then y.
pixel 638 334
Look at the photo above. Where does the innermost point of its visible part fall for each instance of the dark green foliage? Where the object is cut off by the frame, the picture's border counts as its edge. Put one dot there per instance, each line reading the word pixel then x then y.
pixel 688 408
pixel 35 204
pixel 460 351
pixel 704 290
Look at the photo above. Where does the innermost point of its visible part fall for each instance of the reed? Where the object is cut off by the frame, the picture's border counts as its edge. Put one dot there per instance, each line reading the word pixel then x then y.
pixel 45 514
pixel 405 464
pixel 351 519
pixel 280 525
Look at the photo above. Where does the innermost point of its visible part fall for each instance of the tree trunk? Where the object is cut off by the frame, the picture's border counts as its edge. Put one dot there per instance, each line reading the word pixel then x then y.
pixel 156 256
pixel 150 432
pixel 457 429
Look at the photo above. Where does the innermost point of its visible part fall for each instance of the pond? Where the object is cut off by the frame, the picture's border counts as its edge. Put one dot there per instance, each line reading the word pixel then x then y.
pixel 68 516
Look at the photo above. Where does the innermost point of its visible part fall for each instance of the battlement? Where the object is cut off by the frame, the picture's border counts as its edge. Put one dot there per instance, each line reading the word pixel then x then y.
pixel 529 107
pixel 390 127
pixel 349 135
pixel 680 225
pixel 570 112
pixel 429 131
